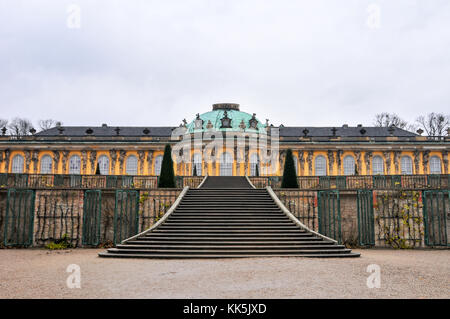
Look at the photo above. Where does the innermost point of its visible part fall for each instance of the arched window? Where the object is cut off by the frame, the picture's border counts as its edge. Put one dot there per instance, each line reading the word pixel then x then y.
pixel 158 163
pixel 377 165
pixel 17 164
pixel 226 164
pixel 295 164
pixel 75 165
pixel 103 163
pixel 406 163
pixel 349 165
pixel 435 165
pixel 46 164
pixel 197 162
pixel 132 165
pixel 254 161
pixel 320 165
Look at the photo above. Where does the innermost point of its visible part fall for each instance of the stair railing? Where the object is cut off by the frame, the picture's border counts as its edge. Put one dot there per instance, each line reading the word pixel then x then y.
pixel 166 215
pixel 292 217
pixel 248 180
pixel 204 180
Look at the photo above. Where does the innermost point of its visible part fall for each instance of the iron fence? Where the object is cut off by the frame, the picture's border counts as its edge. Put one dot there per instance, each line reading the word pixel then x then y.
pixel 302 204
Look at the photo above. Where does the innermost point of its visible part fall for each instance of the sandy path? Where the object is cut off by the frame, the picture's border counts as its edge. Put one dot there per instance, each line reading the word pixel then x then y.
pixel 37 273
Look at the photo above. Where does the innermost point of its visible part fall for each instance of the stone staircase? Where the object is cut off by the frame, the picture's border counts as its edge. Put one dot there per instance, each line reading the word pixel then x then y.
pixel 234 220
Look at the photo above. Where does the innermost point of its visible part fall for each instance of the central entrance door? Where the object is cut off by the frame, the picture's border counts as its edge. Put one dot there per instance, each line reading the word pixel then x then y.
pixel 226 164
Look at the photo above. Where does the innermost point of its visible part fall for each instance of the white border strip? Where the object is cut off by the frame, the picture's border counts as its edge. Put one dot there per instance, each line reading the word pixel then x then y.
pixel 203 181
pixel 167 214
pixel 292 217
pixel 248 180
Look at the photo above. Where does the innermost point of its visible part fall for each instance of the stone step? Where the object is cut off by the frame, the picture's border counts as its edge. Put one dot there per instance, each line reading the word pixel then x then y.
pixel 227 241
pixel 213 246
pixel 229 251
pixel 241 255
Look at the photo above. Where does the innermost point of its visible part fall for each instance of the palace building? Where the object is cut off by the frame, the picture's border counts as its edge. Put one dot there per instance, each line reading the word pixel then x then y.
pixel 318 151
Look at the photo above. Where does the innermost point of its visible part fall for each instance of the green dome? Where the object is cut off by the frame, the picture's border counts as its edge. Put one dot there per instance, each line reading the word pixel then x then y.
pixel 238 120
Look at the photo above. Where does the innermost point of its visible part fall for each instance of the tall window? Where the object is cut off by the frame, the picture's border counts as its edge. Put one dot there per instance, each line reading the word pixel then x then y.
pixel 226 164
pixel 17 164
pixel 197 162
pixel 254 161
pixel 349 165
pixel 295 164
pixel 103 163
pixel 407 166
pixel 158 163
pixel 320 165
pixel 132 165
pixel 435 165
pixel 377 165
pixel 46 164
pixel 75 165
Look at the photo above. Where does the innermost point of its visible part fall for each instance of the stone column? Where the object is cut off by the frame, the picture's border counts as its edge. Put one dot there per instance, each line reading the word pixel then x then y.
pixel 330 155
pixel 122 155
pixel 425 159
pixel 92 161
pixel 368 160
pixel 339 154
pixel 301 161
pixel 397 162
pixel 27 161
pixel 65 157
pixel 113 155
pixel 309 159
pixel 141 156
pixel 445 161
pixel 84 160
pixel 56 158
pixel 387 160
pixel 149 162
pixel 358 162
pixel 416 161
pixel 35 160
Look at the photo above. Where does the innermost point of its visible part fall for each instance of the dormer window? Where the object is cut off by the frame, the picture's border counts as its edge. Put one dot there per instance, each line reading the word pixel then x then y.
pixel 226 121
pixel 253 122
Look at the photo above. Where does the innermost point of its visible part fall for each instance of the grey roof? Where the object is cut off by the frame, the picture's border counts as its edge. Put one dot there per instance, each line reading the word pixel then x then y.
pixel 166 131
pixel 297 131
pixel 108 131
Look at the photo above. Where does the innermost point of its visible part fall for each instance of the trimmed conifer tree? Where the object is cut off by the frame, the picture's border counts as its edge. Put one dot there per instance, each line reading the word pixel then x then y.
pixel 194 171
pixel 289 174
pixel 257 170
pixel 167 176
pixel 97 170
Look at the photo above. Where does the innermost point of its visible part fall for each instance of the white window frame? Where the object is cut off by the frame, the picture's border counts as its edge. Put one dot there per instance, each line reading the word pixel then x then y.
pixel 435 165
pixel 226 164
pixel 75 165
pixel 17 165
pixel 197 162
pixel 103 163
pixel 254 160
pixel 320 161
pixel 349 165
pixel 131 167
pixel 46 165
pixel 377 165
pixel 406 165
pixel 158 164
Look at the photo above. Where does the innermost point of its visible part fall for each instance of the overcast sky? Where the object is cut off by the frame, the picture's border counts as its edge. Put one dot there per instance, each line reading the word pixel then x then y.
pixel 153 63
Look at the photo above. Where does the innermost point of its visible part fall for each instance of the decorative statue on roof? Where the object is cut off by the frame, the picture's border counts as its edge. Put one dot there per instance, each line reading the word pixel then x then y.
pixel 198 123
pixel 242 125
pixel 209 125
pixel 226 121
pixel 184 123
pixel 253 122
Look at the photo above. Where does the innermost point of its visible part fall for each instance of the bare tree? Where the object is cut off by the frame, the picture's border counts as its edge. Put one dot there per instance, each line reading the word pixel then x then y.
pixel 20 127
pixel 434 124
pixel 391 119
pixel 48 123
pixel 3 123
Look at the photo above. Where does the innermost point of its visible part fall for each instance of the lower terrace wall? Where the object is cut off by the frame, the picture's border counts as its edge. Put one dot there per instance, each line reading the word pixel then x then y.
pixel 381 218
pixel 58 214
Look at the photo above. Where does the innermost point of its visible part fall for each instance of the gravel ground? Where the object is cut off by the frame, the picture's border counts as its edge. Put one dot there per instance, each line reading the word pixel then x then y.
pixel 37 273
